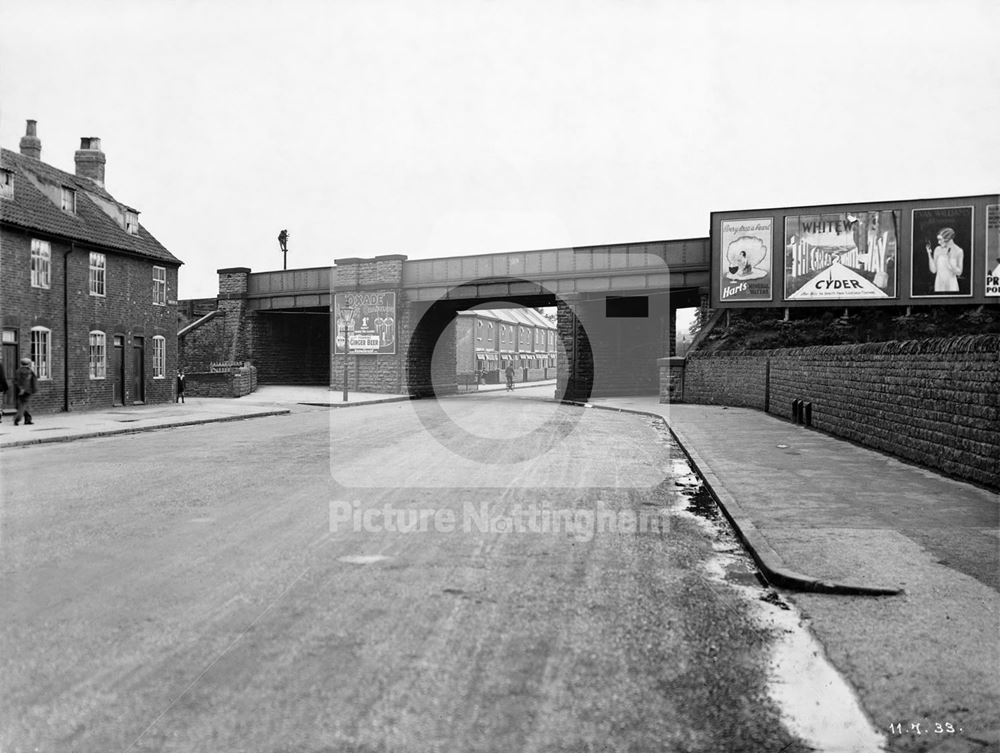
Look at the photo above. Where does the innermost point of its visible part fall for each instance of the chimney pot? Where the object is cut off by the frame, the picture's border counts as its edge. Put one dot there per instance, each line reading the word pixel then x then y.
pixel 31 145
pixel 90 160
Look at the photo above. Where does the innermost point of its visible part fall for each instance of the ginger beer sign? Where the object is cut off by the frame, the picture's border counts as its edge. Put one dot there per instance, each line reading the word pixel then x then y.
pixel 745 265
pixel 370 326
pixel 842 256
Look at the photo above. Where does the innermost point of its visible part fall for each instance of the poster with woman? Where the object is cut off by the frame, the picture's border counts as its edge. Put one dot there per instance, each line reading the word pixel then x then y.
pixel 993 250
pixel 745 264
pixel 941 254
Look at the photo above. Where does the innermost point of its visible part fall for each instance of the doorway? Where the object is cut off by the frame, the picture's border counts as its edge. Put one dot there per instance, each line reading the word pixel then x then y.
pixel 118 371
pixel 138 370
pixel 10 364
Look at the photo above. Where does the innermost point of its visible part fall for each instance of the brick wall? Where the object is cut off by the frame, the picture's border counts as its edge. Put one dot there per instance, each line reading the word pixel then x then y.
pixel 373 372
pixel 203 345
pixel 933 402
pixel 126 310
pixel 235 383
pixel 291 347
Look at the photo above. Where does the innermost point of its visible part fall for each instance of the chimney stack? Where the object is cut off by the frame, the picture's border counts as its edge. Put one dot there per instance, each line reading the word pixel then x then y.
pixel 31 145
pixel 90 160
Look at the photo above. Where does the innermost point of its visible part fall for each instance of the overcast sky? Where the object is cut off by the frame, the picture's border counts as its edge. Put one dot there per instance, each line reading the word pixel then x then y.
pixel 435 128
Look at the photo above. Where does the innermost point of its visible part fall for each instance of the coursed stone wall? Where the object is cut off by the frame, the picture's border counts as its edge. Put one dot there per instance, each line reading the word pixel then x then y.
pixel 934 402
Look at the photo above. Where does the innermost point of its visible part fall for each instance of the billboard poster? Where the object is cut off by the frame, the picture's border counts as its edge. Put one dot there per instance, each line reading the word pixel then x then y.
pixel 841 256
pixel 370 320
pixel 941 253
pixel 745 265
pixel 993 250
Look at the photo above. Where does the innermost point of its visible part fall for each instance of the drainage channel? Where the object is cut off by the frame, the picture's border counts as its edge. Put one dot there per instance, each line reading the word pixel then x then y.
pixel 816 703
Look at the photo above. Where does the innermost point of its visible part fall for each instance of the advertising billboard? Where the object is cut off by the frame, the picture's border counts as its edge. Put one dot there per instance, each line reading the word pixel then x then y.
pixel 745 260
pixel 941 252
pixel 992 266
pixel 841 256
pixel 370 320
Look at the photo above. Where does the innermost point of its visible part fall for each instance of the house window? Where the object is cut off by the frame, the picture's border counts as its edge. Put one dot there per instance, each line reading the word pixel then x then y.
pixel 41 349
pixel 41 264
pixel 68 200
pixel 98 355
pixel 6 184
pixel 159 286
pixel 131 222
pixel 159 357
pixel 98 264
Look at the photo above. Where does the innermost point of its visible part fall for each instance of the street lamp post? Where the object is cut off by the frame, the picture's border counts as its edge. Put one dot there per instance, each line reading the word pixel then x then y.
pixel 283 243
pixel 345 315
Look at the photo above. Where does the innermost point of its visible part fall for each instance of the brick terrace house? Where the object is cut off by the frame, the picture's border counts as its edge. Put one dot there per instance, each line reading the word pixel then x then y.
pixel 85 291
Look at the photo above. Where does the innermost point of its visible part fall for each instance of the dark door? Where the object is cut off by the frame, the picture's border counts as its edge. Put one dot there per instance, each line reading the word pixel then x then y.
pixel 138 370
pixel 118 371
pixel 10 364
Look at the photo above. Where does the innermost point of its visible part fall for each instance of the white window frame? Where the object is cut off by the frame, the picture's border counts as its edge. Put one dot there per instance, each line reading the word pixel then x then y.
pixel 41 351
pixel 68 200
pixel 159 286
pixel 98 355
pixel 98 273
pixel 131 222
pixel 6 184
pixel 41 264
pixel 159 357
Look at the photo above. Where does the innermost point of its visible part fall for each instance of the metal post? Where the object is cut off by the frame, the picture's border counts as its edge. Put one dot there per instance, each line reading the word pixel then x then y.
pixel 346 313
pixel 347 350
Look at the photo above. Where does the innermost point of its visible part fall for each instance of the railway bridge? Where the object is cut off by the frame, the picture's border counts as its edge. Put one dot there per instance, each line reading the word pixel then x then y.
pixel 616 313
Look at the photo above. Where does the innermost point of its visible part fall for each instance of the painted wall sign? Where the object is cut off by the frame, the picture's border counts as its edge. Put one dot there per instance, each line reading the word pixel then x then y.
pixel 745 263
pixel 371 326
pixel 841 256
pixel 941 254
pixel 993 250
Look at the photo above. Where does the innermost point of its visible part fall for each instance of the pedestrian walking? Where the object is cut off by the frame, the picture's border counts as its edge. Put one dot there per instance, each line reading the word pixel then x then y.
pixel 509 372
pixel 180 386
pixel 25 385
pixel 3 388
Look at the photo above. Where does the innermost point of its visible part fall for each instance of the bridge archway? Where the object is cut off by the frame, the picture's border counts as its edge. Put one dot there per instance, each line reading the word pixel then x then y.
pixel 430 352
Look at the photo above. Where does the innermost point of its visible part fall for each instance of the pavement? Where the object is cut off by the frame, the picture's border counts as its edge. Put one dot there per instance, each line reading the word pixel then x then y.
pixel 793 494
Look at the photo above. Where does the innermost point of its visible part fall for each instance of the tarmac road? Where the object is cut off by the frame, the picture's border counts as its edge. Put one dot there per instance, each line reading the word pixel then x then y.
pixel 238 587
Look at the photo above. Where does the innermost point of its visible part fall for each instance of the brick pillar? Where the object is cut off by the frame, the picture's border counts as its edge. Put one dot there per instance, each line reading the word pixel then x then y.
pixel 575 361
pixel 672 332
pixel 360 283
pixel 233 283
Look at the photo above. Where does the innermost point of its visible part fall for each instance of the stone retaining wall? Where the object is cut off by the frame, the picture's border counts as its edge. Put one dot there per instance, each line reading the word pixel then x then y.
pixel 933 402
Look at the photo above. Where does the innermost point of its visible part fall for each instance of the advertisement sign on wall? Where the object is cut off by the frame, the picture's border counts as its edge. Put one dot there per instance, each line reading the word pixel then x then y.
pixel 841 256
pixel 993 250
pixel 941 253
pixel 745 266
pixel 370 323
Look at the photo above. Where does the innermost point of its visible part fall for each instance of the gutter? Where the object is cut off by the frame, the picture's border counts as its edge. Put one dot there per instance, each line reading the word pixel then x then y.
pixel 66 345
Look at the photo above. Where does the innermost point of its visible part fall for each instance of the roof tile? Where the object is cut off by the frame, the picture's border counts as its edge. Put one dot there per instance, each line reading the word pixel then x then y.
pixel 30 208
